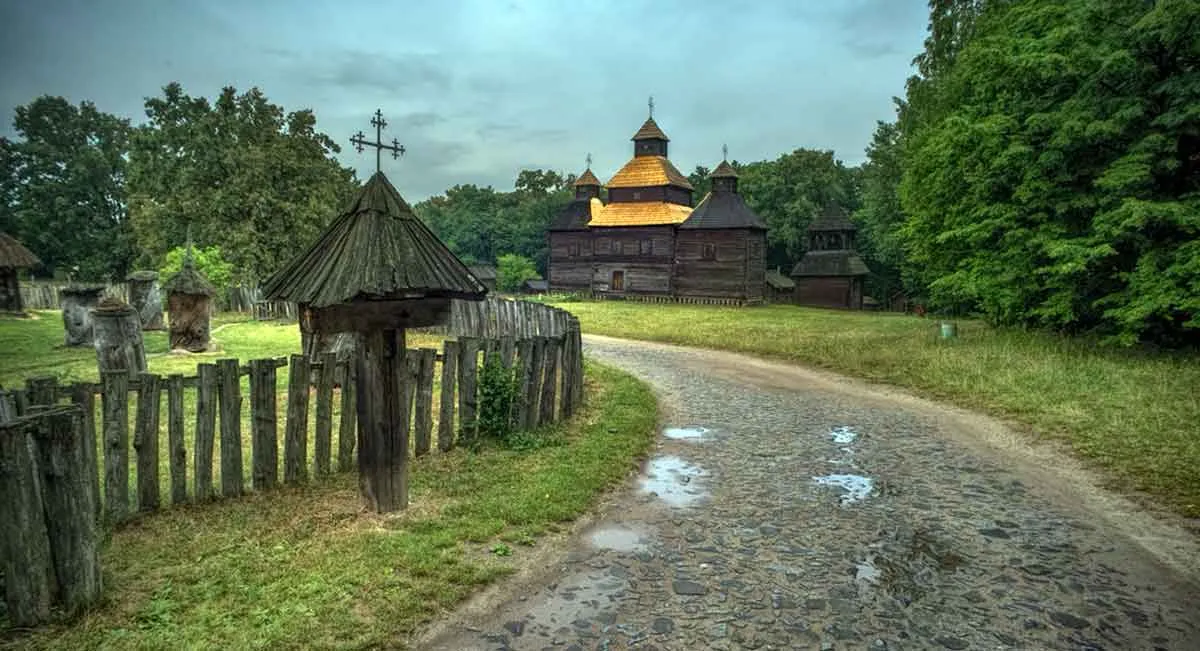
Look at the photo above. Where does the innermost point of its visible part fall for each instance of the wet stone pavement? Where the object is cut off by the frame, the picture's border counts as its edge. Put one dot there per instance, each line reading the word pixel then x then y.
pixel 772 518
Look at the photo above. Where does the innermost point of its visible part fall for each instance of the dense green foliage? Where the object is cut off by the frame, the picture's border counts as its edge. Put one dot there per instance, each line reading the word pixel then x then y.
pixel 1050 167
pixel 240 172
pixel 481 224
pixel 512 271
pixel 61 188
pixel 208 261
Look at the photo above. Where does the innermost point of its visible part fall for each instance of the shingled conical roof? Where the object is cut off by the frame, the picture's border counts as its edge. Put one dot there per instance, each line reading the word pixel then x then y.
pixel 650 131
pixel 587 179
pixel 723 171
pixel 833 218
pixel 376 249
pixel 14 255
pixel 189 280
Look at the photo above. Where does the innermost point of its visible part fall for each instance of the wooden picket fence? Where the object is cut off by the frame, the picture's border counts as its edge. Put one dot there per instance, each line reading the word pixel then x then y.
pixel 119 474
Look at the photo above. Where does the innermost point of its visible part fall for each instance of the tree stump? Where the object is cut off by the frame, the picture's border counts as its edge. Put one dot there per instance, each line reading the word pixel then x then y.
pixel 146 297
pixel 77 303
pixel 117 331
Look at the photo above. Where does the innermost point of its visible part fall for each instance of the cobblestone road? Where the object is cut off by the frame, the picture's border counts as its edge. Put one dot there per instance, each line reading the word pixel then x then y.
pixel 784 511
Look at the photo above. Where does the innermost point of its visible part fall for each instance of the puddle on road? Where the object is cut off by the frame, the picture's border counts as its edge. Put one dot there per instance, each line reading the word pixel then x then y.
pixel 579 602
pixel 867 571
pixel 685 433
pixel 844 434
pixel 856 487
pixel 618 539
pixel 672 479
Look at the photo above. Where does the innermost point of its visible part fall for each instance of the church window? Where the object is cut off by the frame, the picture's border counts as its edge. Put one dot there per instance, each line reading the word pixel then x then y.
pixel 573 249
pixel 647 247
pixel 708 252
pixel 637 196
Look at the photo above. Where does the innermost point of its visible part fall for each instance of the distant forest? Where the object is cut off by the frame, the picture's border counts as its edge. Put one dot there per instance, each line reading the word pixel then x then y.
pixel 1042 170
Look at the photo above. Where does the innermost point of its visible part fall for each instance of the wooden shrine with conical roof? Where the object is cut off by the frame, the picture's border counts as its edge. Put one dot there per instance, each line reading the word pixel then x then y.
pixel 375 271
pixel 647 240
pixel 830 274
pixel 13 258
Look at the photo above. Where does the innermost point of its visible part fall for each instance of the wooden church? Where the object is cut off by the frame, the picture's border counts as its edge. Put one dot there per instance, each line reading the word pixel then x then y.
pixel 646 239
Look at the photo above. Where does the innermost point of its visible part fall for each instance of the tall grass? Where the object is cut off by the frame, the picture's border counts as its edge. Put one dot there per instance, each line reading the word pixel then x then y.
pixel 1134 414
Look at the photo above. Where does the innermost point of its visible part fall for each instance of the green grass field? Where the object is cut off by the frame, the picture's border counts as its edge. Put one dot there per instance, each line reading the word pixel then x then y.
pixel 303 567
pixel 1134 414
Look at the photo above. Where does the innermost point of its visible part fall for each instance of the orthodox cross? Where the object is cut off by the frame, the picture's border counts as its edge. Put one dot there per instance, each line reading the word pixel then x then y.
pixel 589 161
pixel 651 107
pixel 360 141
pixel 725 153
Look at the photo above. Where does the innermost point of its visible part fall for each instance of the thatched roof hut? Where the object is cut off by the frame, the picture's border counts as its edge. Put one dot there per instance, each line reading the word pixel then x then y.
pixel 13 257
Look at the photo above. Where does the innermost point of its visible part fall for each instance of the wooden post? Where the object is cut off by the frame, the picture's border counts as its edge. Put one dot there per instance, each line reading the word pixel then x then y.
pixel 67 502
pixel 176 450
pixel 323 446
pixel 145 441
pixel 231 427
pixel 550 379
pixel 348 427
pixel 115 401
pixel 24 540
pixel 206 426
pixel 446 415
pixel 423 418
pixel 264 428
pixel 468 370
pixel 295 436
pixel 83 396
pixel 577 360
pixel 383 440
pixel 537 357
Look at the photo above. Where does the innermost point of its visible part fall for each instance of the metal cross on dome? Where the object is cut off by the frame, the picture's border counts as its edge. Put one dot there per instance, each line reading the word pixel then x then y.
pixel 360 141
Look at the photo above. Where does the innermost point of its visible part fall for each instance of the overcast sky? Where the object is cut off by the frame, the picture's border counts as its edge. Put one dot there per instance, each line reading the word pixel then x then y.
pixel 478 90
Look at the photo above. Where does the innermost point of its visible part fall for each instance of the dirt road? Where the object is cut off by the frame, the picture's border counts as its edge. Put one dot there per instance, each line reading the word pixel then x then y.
pixel 790 509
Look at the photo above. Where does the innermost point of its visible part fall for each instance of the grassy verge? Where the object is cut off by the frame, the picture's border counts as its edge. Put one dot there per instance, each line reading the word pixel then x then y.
pixel 303 568
pixel 1134 414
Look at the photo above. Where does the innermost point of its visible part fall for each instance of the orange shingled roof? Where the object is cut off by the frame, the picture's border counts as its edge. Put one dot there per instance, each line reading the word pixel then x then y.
pixel 648 171
pixel 639 213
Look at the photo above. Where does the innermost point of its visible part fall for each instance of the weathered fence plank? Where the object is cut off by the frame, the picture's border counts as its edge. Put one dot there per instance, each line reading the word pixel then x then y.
pixel 446 414
pixel 24 540
pixel 323 445
pixel 116 444
pixel 533 415
pixel 264 426
pixel 525 359
pixel 145 440
pixel 206 427
pixel 468 371
pixel 82 395
pixel 348 427
pixel 176 449
pixel 423 419
pixel 67 504
pixel 231 428
pixel 550 380
pixel 507 349
pixel 41 391
pixel 295 437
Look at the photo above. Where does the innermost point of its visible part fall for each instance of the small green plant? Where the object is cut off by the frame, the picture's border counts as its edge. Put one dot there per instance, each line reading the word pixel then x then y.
pixel 501 549
pixel 209 261
pixel 499 390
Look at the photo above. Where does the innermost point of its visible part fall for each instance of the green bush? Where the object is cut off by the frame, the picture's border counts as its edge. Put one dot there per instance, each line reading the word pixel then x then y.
pixel 209 261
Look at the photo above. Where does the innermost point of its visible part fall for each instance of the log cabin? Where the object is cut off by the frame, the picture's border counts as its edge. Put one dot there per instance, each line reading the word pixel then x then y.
pixel 646 239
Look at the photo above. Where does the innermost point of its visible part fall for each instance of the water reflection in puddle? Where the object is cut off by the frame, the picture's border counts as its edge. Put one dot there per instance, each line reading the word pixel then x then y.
pixel 867 571
pixel 685 432
pixel 618 539
pixel 670 477
pixel 856 487
pixel 843 434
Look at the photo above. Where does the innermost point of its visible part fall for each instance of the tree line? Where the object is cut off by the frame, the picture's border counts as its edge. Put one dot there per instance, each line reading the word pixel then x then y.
pixel 1042 170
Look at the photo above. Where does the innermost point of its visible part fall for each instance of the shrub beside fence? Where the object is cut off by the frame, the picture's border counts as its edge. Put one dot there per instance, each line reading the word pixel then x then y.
pixel 58 481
